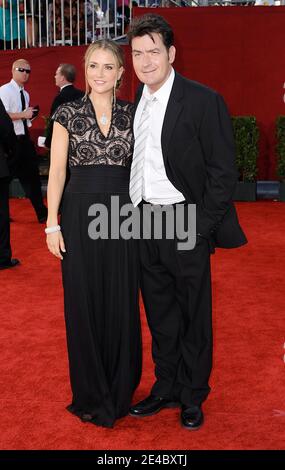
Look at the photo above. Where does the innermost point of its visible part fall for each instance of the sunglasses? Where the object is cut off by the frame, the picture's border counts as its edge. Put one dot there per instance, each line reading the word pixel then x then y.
pixel 20 69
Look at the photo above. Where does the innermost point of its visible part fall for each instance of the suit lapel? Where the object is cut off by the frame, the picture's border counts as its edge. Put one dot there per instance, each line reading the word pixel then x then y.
pixel 173 109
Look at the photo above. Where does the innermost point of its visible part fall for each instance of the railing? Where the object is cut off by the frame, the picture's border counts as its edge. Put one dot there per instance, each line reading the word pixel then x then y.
pixel 37 23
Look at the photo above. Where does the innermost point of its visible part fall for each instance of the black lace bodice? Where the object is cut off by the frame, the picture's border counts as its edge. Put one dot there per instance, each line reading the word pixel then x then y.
pixel 87 144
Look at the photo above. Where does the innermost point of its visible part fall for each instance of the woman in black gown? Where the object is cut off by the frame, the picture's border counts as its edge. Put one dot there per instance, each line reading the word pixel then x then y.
pixel 93 135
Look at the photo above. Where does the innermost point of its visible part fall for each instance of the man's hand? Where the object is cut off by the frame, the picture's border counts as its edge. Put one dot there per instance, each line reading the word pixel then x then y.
pixel 28 113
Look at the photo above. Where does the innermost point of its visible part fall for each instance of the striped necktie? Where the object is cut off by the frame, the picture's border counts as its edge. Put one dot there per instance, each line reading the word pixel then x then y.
pixel 136 177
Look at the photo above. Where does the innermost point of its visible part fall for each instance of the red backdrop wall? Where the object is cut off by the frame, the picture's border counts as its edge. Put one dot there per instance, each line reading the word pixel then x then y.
pixel 238 51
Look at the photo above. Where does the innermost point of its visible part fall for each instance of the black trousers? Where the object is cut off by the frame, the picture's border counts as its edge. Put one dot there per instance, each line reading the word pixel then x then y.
pixel 5 247
pixel 26 169
pixel 176 289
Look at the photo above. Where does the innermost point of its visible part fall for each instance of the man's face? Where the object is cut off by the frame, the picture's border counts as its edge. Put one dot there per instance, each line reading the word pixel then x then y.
pixel 59 78
pixel 152 60
pixel 21 73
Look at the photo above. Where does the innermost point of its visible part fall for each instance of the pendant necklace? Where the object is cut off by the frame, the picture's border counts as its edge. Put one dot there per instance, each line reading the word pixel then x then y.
pixel 104 120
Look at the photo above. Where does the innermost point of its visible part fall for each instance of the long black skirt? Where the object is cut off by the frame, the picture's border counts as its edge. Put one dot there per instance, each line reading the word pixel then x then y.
pixel 101 282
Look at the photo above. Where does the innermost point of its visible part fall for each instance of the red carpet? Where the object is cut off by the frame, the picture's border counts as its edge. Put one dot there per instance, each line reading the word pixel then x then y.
pixel 246 409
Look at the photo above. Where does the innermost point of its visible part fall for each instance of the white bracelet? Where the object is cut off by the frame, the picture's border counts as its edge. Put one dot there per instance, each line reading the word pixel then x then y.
pixel 54 229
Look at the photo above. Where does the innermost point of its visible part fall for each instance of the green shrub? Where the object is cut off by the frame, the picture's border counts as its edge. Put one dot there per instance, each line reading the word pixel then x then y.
pixel 246 136
pixel 280 131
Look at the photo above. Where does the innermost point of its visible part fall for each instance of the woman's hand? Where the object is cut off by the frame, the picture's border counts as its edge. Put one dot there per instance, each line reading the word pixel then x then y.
pixel 55 244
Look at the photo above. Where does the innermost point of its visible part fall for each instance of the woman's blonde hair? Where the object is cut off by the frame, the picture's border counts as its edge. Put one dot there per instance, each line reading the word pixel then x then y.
pixel 107 45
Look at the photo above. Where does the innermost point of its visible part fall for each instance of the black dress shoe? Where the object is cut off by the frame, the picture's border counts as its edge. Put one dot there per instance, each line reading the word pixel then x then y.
pixel 151 405
pixel 192 417
pixel 10 264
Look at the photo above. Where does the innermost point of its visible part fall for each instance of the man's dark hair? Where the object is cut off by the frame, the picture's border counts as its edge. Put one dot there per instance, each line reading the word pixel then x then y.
pixel 148 24
pixel 68 71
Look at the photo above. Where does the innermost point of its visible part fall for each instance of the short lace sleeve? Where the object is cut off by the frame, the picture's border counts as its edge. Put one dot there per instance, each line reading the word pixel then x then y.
pixel 63 115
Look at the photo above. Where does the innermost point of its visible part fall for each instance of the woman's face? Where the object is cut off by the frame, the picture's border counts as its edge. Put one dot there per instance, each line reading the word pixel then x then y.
pixel 102 71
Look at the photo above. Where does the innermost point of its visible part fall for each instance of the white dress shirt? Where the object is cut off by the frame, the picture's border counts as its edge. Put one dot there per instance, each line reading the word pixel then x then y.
pixel 11 98
pixel 157 189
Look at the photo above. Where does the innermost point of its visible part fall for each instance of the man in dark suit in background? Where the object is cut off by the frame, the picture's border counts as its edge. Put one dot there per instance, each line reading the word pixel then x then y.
pixel 184 154
pixel 65 76
pixel 7 148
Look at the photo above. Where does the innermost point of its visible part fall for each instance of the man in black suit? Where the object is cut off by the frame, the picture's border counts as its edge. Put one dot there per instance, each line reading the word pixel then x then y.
pixel 64 78
pixel 185 156
pixel 7 148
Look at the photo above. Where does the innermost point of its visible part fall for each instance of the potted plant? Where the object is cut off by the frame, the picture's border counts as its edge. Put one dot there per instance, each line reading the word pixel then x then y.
pixel 280 131
pixel 246 136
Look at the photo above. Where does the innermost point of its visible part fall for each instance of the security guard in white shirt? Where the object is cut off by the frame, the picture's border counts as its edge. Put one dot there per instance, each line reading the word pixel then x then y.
pixel 16 102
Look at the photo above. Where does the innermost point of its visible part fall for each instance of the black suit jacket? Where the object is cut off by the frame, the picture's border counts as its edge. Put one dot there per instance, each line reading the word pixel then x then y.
pixel 7 142
pixel 199 157
pixel 68 93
